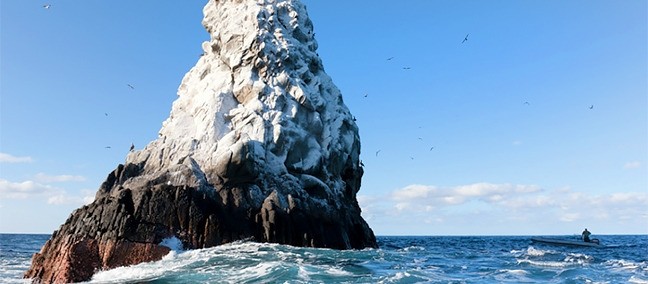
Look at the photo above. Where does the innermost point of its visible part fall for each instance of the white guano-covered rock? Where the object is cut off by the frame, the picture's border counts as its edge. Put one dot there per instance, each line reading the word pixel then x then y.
pixel 259 92
pixel 258 146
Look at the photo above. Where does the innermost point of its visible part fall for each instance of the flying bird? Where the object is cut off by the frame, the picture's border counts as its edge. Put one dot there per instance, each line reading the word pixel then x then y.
pixel 591 107
pixel 130 86
pixel 407 68
pixel 388 59
pixel 106 113
pixel 377 153
pixel 465 38
pixel 431 148
pixel 527 103
pixel 365 95
pixel 47 6
pixel 107 147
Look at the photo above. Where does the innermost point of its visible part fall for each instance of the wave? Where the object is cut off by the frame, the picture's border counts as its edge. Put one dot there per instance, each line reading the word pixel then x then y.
pixel 637 280
pixel 627 265
pixel 532 252
pixel 546 263
pixel 244 262
pixel 551 258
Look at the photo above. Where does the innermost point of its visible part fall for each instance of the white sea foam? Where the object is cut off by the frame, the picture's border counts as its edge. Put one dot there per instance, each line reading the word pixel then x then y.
pixel 174 261
pixel 557 264
pixel 303 273
pixel 140 272
pixel 172 243
pixel 336 271
pixel 621 264
pixel 531 251
pixel 512 275
pixel 414 248
pixel 259 270
pixel 178 260
pixel 637 280
pixel 518 272
pixel 517 251
pixel 578 258
pixel 396 278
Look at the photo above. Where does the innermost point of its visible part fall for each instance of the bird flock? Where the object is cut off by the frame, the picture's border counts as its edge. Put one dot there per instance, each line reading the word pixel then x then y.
pixel 463 41
pixel 48 6
pixel 132 147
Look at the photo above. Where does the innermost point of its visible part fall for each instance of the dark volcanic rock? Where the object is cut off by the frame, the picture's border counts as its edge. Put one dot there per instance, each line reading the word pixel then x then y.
pixel 258 146
pixel 124 226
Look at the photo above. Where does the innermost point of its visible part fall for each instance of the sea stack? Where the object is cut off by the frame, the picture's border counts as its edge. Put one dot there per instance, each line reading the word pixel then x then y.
pixel 259 146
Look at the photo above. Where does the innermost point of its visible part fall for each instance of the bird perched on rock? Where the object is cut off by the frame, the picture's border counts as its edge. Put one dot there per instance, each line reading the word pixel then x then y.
pixel 132 147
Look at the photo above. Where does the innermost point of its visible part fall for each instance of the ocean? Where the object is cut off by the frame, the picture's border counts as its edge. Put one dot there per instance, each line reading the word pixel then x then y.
pixel 436 259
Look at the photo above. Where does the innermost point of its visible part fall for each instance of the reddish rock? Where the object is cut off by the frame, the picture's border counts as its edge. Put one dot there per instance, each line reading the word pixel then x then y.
pixel 70 260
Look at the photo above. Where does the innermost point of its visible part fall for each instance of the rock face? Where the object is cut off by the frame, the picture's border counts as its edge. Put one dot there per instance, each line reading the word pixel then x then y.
pixel 259 145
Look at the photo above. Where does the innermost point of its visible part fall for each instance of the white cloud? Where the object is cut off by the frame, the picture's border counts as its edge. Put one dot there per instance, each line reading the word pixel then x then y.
pixel 367 205
pixel 21 190
pixel 485 206
pixel 433 196
pixel 488 189
pixel 402 206
pixel 414 191
pixel 7 158
pixel 629 198
pixel 53 195
pixel 515 202
pixel 632 165
pixel 63 198
pixel 58 178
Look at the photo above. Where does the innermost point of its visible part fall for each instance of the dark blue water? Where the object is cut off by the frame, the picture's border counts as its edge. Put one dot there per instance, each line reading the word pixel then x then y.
pixel 399 260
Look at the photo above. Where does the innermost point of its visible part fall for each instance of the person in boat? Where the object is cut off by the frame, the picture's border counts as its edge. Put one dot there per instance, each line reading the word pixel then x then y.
pixel 586 236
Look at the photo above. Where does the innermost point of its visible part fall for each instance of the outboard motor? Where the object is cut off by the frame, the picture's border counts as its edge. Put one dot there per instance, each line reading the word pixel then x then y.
pixel 596 241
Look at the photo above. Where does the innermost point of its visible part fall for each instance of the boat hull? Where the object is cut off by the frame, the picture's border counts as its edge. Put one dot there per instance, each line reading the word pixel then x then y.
pixel 565 242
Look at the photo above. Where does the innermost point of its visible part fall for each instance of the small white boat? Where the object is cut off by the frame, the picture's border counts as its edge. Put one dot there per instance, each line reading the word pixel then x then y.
pixel 593 243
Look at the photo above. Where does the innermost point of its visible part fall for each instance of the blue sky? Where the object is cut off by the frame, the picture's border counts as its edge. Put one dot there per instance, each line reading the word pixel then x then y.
pixel 537 124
